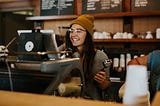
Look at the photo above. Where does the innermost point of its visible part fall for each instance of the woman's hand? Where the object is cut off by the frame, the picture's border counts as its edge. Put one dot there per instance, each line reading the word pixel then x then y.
pixel 100 77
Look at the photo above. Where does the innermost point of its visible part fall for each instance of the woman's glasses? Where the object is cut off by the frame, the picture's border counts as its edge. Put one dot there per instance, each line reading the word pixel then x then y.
pixel 78 31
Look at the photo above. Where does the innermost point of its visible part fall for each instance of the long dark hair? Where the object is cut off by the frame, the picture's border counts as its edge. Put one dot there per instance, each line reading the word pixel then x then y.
pixel 88 53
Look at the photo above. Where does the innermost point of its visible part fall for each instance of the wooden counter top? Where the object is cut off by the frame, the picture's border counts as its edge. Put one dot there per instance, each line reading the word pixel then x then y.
pixel 8 98
pixel 156 100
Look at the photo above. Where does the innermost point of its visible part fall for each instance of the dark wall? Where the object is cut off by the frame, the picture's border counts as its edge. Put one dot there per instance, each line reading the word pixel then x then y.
pixel 1 29
pixel 10 23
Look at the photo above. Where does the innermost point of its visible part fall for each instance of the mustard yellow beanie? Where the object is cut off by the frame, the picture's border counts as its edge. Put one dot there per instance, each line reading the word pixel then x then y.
pixel 86 21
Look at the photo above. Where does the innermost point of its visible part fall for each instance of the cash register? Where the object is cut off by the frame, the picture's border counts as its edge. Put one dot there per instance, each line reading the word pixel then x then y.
pixel 38 51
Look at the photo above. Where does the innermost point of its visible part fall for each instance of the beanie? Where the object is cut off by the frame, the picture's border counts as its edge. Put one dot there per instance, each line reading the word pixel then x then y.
pixel 86 21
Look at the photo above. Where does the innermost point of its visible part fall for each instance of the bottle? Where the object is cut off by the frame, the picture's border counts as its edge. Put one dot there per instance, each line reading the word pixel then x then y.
pixel 122 63
pixel 135 56
pixel 142 55
pixel 115 64
pixel 158 33
pixel 128 58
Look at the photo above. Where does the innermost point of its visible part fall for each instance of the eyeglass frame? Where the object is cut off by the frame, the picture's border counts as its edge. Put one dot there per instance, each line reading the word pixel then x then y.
pixel 78 30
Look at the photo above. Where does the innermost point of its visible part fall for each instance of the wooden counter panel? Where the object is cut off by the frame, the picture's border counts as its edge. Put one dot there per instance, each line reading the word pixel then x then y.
pixel 156 99
pixel 26 99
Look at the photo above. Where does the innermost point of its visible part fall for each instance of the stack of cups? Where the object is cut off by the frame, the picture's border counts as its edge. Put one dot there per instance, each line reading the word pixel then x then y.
pixel 136 89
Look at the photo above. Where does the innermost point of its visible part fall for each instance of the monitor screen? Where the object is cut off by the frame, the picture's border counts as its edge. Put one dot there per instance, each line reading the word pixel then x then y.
pixel 32 41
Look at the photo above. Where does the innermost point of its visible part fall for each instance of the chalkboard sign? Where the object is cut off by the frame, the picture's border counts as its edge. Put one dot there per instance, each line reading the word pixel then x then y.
pixel 145 5
pixel 101 6
pixel 57 7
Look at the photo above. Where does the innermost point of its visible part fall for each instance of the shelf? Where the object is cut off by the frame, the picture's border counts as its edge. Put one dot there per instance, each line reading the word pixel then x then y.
pixel 4 1
pixel 126 40
pixel 128 44
pixel 36 18
pixel 125 14
pixel 99 15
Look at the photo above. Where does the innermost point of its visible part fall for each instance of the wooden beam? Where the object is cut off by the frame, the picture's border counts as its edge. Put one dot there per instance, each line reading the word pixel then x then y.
pixel 3 1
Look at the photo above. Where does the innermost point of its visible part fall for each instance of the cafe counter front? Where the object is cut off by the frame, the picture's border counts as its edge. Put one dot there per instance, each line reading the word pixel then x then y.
pixel 8 98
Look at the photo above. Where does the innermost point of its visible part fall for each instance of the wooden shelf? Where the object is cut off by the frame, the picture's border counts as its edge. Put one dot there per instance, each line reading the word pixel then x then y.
pixel 4 1
pixel 128 44
pixel 99 15
pixel 36 18
pixel 126 40
pixel 123 14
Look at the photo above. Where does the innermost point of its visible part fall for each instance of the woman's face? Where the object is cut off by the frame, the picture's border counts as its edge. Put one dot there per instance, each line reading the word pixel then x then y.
pixel 77 35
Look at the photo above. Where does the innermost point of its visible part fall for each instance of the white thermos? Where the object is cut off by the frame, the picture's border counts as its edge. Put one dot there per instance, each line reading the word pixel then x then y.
pixel 158 33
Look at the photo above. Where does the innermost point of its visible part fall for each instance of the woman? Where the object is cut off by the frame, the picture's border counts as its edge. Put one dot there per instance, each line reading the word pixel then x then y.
pixel 79 39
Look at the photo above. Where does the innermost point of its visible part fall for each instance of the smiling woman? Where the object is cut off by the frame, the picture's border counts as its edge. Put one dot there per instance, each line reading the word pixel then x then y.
pixel 79 40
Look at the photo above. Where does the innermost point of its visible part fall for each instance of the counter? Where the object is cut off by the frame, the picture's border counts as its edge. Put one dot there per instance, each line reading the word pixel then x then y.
pixel 25 80
pixel 8 98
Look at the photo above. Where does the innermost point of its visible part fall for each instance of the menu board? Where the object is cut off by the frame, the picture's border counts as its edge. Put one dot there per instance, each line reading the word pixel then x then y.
pixel 101 6
pixel 56 7
pixel 145 5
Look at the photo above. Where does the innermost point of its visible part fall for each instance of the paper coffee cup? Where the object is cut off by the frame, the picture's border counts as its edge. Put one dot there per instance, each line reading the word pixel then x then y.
pixel 136 88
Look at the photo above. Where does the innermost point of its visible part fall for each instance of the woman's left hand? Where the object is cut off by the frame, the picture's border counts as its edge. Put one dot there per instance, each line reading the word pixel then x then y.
pixel 100 77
